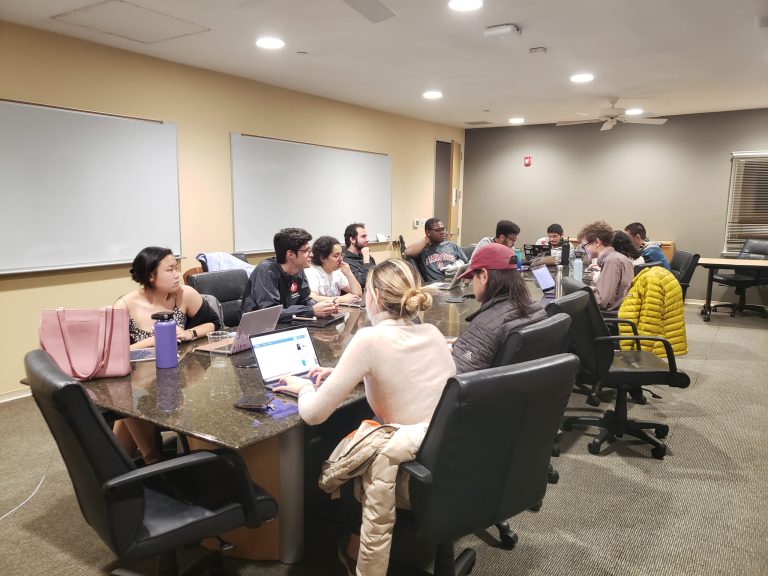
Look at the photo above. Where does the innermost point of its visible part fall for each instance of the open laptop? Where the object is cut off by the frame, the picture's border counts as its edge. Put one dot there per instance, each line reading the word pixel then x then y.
pixel 453 283
pixel 284 353
pixel 543 278
pixel 255 322
pixel 533 251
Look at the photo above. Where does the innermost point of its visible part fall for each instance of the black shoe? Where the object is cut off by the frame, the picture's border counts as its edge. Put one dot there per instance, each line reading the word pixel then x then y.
pixel 638 397
pixel 349 563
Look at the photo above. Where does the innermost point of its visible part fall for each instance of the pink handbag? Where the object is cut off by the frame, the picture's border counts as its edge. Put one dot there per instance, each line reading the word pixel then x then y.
pixel 87 343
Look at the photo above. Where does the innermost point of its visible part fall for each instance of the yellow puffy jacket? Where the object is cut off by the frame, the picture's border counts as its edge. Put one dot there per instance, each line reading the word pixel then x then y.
pixel 655 304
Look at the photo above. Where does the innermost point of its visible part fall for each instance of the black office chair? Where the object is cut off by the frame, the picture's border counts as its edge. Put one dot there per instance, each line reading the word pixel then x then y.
pixel 486 453
pixel 468 250
pixel 640 267
pixel 540 339
pixel 627 371
pixel 412 261
pixel 753 249
pixel 142 512
pixel 683 265
pixel 227 286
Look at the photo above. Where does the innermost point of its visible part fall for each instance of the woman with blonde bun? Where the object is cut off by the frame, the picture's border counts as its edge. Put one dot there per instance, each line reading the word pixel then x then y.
pixel 404 366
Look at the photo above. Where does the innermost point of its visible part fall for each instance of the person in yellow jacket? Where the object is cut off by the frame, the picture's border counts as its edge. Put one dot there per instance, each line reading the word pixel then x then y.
pixel 654 303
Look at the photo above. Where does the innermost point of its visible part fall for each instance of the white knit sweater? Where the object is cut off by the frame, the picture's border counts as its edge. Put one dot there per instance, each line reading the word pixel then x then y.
pixel 404 367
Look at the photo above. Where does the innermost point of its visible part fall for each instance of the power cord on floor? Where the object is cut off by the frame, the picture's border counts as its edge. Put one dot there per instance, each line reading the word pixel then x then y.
pixel 48 467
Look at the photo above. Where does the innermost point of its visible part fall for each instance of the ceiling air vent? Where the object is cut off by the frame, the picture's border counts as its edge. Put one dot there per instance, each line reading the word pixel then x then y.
pixel 479 123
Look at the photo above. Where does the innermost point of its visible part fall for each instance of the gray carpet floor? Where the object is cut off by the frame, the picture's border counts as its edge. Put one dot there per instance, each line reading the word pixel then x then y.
pixel 701 510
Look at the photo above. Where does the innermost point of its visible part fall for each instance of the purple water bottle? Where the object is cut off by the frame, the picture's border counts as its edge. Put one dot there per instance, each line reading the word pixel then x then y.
pixel 165 340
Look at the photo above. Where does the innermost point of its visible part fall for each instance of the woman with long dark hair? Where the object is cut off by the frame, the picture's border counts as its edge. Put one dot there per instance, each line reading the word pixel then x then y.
pixel 506 304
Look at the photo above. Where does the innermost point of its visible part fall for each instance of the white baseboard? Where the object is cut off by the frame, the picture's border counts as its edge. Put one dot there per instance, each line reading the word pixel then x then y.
pixel 15 395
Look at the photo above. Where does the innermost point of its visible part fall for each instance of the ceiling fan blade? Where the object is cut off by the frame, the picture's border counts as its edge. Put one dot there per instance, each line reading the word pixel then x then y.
pixel 656 121
pixel 372 10
pixel 571 122
pixel 608 125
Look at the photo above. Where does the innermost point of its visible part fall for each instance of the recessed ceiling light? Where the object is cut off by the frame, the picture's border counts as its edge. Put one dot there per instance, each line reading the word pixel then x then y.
pixel 465 5
pixel 634 112
pixel 517 121
pixel 270 43
pixel 432 95
pixel 582 77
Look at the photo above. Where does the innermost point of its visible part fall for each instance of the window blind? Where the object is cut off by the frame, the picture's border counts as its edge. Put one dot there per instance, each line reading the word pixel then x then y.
pixel 747 199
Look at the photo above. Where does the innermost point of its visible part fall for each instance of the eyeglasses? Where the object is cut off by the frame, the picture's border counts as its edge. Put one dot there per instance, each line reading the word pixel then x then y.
pixel 585 244
pixel 441 230
pixel 305 250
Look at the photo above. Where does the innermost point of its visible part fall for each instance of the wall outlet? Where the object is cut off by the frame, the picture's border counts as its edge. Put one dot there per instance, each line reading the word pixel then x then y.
pixel 419 223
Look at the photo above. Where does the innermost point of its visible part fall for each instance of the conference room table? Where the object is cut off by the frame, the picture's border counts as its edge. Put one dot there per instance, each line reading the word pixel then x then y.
pixel 715 264
pixel 196 400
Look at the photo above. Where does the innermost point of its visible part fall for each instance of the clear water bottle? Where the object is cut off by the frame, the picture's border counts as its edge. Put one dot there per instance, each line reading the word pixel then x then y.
pixel 165 340
pixel 559 281
pixel 577 268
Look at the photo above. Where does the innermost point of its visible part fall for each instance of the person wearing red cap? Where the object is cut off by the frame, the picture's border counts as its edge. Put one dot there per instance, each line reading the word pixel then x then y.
pixel 506 304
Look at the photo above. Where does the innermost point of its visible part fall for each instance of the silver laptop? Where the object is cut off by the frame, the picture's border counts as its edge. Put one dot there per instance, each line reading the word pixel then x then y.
pixel 453 283
pixel 544 279
pixel 255 322
pixel 284 353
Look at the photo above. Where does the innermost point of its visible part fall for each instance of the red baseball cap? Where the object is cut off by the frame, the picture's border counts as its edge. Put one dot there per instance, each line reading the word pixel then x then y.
pixel 491 257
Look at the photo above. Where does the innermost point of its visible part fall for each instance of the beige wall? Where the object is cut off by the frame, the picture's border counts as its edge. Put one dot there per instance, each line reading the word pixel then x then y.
pixel 49 69
pixel 673 178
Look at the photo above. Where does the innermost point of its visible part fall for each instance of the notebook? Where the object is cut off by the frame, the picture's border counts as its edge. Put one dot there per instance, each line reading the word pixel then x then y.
pixel 284 353
pixel 453 283
pixel 255 322
pixel 544 279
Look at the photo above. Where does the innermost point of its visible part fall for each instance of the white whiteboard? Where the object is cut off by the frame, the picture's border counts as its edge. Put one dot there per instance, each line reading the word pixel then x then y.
pixel 279 184
pixel 82 189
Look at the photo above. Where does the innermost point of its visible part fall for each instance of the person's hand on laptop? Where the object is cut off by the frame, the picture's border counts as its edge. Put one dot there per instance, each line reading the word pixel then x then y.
pixel 349 298
pixel 291 384
pixel 318 374
pixel 325 308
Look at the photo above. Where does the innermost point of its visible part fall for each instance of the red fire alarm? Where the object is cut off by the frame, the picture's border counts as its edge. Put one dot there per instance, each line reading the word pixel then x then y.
pixel 526 161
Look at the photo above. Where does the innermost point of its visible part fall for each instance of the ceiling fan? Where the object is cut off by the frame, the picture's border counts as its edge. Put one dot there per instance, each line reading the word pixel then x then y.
pixel 610 116
pixel 372 10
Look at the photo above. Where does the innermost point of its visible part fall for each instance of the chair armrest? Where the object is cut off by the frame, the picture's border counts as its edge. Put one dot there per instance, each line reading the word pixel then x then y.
pixel 624 321
pixel 158 469
pixel 418 471
pixel 637 339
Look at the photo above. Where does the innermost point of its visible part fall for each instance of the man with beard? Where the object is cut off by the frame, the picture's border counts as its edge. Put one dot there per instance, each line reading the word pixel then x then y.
pixel 357 254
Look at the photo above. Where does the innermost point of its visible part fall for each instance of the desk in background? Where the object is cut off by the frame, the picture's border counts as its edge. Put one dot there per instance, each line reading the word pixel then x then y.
pixel 715 264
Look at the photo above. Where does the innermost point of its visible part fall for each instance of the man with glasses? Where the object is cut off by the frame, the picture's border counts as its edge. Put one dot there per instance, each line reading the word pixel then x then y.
pixel 281 279
pixel 616 270
pixel 435 254
pixel 506 233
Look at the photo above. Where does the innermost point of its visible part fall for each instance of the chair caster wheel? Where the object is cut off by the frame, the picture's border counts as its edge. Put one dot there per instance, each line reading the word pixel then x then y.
pixel 593 447
pixel 507 536
pixel 553 477
pixel 661 432
pixel 536 508
pixel 555 451
pixel 659 451
pixel 567 426
pixel 707 318
pixel 593 400
pixel 703 311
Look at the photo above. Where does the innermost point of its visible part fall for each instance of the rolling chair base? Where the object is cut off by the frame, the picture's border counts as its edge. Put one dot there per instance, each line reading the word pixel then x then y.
pixel 614 424
pixel 740 307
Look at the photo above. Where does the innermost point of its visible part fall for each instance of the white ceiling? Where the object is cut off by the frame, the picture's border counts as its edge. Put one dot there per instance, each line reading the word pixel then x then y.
pixel 667 56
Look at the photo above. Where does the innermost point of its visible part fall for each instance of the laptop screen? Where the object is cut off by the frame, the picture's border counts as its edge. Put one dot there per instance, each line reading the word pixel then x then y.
pixel 543 278
pixel 283 353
